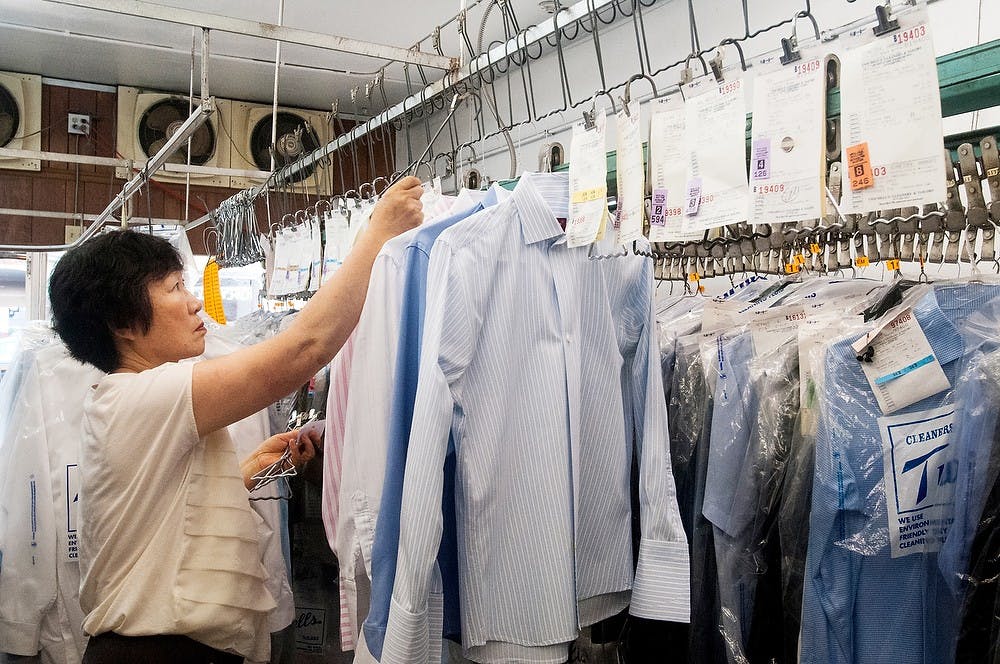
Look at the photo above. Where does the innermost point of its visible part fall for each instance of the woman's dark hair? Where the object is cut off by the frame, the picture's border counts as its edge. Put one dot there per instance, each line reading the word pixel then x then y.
pixel 101 286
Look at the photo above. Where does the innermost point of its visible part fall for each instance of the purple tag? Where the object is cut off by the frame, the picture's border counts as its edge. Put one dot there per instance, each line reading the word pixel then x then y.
pixel 693 197
pixel 658 213
pixel 761 159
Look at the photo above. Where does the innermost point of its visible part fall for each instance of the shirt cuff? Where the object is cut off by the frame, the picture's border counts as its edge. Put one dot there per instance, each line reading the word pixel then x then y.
pixel 662 589
pixel 406 636
pixel 17 638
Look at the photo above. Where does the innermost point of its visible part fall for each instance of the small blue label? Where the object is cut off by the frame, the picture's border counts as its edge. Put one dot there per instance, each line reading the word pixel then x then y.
pixel 905 370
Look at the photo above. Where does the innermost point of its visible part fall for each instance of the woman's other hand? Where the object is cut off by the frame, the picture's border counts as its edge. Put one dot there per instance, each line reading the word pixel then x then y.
pixel 302 449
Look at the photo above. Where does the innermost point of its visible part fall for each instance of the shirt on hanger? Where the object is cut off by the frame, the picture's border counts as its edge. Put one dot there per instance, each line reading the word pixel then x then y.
pixel 365 428
pixel 541 431
pixel 404 389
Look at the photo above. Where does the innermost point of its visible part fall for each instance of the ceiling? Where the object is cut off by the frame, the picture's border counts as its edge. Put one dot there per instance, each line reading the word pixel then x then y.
pixel 79 44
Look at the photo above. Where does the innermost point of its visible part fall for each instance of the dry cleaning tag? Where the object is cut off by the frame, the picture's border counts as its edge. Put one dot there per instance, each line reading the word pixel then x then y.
pixel 631 174
pixel 588 183
pixel 773 328
pixel 900 365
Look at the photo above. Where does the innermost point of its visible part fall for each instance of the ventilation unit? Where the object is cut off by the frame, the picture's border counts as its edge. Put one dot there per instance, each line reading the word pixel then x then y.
pixel 299 132
pixel 20 118
pixel 147 119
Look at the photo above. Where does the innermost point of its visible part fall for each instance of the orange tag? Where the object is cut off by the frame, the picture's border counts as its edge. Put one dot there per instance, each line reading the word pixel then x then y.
pixel 815 248
pixel 799 259
pixel 694 276
pixel 892 265
pixel 701 290
pixel 861 261
pixel 792 268
pixel 859 167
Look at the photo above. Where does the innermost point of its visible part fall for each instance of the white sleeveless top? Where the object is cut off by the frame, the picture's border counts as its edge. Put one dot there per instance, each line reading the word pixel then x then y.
pixel 168 541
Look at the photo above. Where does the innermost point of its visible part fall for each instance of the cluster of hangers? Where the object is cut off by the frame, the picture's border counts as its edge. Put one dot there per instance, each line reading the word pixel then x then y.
pixel 286 199
pixel 951 232
pixel 931 234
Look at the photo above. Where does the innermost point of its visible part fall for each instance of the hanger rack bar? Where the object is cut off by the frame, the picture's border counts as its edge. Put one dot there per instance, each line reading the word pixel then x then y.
pixel 263 30
pixel 63 157
pixel 532 35
pixel 49 214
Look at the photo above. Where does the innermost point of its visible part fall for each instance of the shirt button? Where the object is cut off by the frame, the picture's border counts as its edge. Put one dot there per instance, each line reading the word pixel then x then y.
pixel 569 339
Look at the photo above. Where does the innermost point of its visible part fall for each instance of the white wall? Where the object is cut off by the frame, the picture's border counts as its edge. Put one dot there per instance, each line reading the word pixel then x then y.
pixel 955 24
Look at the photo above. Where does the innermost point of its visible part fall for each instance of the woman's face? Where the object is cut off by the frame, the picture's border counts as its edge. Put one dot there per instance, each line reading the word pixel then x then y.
pixel 176 332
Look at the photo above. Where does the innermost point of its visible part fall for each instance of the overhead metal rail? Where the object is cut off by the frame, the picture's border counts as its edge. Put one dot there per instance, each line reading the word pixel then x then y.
pixel 529 37
pixel 263 30
pixel 68 158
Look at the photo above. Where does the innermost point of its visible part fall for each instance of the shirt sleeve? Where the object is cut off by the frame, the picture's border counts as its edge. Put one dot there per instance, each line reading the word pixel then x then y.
pixel 445 352
pixel 662 588
pixel 333 443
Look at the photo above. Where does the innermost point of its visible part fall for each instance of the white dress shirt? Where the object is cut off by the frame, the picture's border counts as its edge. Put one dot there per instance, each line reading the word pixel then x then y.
pixel 543 365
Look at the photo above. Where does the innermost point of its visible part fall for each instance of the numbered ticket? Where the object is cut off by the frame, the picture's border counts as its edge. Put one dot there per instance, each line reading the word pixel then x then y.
pixel 716 191
pixel 668 172
pixel 787 151
pixel 891 120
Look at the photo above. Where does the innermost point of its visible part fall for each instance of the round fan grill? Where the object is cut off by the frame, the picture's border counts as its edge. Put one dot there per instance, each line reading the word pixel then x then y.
pixel 295 138
pixel 162 120
pixel 10 118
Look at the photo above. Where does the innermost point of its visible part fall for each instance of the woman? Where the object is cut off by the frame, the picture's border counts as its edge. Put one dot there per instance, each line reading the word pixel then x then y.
pixel 168 545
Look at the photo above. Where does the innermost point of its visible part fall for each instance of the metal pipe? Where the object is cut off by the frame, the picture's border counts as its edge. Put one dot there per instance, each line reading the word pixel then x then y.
pixel 497 54
pixel 262 30
pixel 67 158
pixel 51 214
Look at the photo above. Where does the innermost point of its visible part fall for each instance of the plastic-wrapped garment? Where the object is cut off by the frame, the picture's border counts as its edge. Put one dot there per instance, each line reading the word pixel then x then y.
pixel 690 416
pixel 796 500
pixel 873 591
pixel 756 402
pixel 39 572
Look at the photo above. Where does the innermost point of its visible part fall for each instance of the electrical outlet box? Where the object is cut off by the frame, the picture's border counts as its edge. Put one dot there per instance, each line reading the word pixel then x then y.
pixel 73 233
pixel 79 124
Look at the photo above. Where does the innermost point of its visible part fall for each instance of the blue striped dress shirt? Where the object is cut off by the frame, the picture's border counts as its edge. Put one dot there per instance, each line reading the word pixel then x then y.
pixel 543 365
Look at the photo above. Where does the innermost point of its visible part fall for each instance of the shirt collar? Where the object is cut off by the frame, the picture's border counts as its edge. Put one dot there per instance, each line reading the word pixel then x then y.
pixel 540 199
pixel 942 334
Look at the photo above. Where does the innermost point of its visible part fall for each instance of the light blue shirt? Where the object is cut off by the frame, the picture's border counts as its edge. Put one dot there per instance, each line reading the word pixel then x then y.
pixel 416 261
pixel 541 364
pixel 860 604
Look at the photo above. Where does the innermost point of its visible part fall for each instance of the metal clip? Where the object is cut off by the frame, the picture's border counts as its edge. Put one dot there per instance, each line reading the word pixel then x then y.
pixel 886 24
pixel 789 50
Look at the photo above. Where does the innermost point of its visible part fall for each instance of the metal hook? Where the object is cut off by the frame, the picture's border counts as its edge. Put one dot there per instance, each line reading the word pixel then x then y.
pixel 716 62
pixel 627 98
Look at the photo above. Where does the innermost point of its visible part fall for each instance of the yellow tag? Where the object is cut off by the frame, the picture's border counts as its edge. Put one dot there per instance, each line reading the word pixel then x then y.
pixel 815 248
pixel 694 276
pixel 588 195
pixel 892 265
pixel 859 167
pixel 604 226
pixel 792 268
pixel 799 259
pixel 213 293
pixel 861 261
